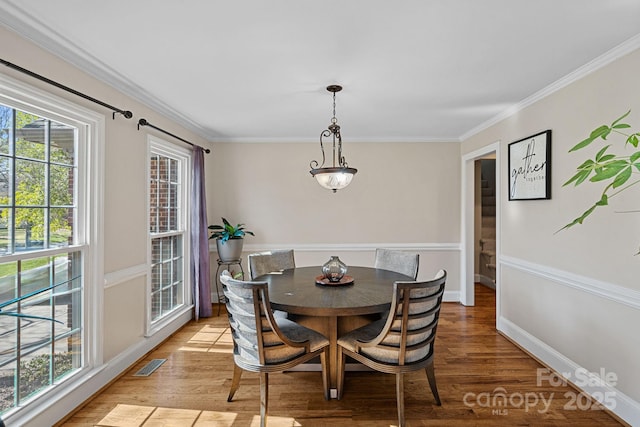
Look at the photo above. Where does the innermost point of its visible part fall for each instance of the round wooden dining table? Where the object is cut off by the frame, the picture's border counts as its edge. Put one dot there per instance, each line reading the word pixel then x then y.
pixel 332 310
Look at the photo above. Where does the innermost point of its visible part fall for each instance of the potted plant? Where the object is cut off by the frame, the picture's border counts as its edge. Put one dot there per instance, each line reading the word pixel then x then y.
pixel 229 240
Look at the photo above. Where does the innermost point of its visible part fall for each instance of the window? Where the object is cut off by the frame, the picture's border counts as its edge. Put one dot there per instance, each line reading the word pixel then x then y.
pixel 168 231
pixel 41 256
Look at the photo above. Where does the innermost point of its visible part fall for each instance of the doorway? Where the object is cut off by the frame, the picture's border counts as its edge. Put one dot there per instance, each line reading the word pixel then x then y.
pixel 485 222
pixel 471 223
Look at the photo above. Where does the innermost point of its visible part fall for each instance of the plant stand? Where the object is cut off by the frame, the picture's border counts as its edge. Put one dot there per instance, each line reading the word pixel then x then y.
pixel 220 295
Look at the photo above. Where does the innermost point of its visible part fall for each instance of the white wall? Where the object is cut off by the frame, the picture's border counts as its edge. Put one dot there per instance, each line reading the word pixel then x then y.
pixel 573 298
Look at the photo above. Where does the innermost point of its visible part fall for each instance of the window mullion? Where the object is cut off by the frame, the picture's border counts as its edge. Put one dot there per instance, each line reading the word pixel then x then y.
pixel 18 374
pixel 12 153
pixel 52 326
pixel 47 184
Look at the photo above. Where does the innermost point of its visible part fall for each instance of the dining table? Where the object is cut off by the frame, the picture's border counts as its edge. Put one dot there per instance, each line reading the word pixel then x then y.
pixel 332 309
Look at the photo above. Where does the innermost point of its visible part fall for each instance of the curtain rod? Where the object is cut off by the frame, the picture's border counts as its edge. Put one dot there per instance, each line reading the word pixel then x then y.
pixel 144 122
pixel 127 114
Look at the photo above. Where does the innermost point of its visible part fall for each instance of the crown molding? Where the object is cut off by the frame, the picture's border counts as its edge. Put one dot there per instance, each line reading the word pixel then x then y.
pixel 603 60
pixel 43 36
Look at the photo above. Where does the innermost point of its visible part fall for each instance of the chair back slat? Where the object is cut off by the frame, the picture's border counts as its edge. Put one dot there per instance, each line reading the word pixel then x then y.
pixel 256 336
pixel 268 262
pixel 410 330
pixel 402 262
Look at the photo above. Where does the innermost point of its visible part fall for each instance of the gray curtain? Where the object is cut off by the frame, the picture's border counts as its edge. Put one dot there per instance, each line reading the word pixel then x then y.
pixel 200 239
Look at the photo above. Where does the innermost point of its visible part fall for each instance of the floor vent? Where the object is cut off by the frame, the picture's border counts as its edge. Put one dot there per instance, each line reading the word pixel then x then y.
pixel 149 368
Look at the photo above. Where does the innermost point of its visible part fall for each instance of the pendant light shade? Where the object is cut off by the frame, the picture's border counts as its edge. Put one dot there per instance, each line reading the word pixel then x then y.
pixel 339 175
pixel 334 178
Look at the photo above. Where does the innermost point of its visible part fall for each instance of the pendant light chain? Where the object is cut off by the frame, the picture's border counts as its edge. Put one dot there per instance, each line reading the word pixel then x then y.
pixel 334 119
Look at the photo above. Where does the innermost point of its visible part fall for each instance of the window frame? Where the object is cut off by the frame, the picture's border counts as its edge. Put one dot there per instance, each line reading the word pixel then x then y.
pixel 159 146
pixel 89 231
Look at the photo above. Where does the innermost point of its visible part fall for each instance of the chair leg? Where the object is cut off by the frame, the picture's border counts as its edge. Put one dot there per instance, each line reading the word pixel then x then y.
pixel 340 373
pixel 324 361
pixel 235 382
pixel 400 398
pixel 432 383
pixel 264 397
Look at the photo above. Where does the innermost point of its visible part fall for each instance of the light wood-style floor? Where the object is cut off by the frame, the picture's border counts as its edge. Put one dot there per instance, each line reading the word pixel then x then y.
pixel 483 380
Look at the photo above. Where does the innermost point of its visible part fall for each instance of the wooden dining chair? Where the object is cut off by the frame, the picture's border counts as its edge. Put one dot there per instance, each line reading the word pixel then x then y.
pixel 264 343
pixel 268 262
pixel 404 341
pixel 402 262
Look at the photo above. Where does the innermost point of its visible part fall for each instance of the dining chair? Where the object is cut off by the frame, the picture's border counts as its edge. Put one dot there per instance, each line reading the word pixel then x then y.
pixel 399 261
pixel 404 341
pixel 264 343
pixel 268 262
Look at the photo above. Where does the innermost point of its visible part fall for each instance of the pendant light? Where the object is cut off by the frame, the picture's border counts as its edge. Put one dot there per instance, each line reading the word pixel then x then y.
pixel 339 175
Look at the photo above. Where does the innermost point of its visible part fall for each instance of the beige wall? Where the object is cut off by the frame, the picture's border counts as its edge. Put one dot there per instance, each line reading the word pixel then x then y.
pixel 404 194
pixel 573 296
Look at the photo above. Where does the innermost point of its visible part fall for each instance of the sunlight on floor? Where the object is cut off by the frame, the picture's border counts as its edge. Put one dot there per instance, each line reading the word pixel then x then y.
pixel 210 340
pixel 150 416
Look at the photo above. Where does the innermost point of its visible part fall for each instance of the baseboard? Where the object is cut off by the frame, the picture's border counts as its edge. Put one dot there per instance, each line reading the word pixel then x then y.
pixel 486 281
pixel 451 296
pixel 616 402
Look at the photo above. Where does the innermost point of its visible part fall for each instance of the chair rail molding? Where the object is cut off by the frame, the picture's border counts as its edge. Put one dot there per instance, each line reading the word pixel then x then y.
pixel 613 292
pixel 126 274
pixel 348 247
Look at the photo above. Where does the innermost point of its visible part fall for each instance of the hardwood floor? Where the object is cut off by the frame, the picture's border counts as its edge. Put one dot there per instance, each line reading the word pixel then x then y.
pixel 474 366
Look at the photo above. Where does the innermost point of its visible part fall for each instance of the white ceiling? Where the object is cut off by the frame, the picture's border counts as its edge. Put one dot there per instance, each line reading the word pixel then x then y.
pixel 256 70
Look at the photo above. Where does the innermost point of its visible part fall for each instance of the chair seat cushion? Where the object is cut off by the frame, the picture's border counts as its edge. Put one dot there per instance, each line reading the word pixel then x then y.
pixel 299 333
pixel 389 350
pixel 274 350
pixel 278 313
pixel 364 333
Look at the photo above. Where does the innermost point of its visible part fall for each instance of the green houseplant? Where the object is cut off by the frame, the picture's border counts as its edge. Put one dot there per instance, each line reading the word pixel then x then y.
pixel 229 240
pixel 616 170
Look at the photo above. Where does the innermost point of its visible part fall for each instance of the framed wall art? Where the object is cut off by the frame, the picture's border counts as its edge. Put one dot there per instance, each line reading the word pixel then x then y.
pixel 530 167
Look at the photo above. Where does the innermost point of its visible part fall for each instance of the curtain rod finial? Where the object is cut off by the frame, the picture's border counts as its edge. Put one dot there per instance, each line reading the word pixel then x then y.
pixel 126 114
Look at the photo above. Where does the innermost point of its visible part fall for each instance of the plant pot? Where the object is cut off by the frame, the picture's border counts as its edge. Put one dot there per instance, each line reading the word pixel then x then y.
pixel 231 250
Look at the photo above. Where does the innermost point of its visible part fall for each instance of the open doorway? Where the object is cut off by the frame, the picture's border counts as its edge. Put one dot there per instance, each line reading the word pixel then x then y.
pixel 485 222
pixel 471 207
